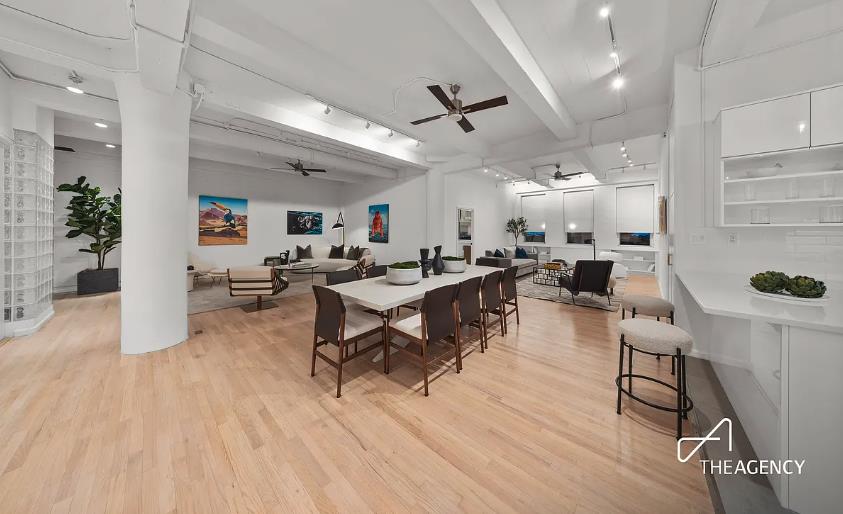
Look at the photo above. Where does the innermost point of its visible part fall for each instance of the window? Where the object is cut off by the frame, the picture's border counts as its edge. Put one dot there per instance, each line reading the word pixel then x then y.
pixel 534 210
pixel 635 238
pixel 578 211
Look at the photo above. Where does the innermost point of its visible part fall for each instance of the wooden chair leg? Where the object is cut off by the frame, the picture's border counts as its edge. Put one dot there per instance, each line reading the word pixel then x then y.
pixel 424 364
pixel 517 315
pixel 340 360
pixel 502 316
pixel 313 357
pixel 385 336
pixel 260 302
pixel 458 349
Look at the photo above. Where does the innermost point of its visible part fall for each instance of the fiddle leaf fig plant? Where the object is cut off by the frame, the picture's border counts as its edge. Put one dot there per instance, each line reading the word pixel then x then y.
pixel 94 215
pixel 516 226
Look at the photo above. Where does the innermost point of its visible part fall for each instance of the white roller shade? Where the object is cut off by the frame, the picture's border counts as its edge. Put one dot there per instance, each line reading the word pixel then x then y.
pixel 578 208
pixel 635 209
pixel 534 209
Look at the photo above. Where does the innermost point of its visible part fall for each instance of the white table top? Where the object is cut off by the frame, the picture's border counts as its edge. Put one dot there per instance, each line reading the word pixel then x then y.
pixel 380 295
pixel 724 294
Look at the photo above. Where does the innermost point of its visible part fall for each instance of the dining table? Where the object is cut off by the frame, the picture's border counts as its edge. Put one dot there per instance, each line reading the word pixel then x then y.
pixel 380 295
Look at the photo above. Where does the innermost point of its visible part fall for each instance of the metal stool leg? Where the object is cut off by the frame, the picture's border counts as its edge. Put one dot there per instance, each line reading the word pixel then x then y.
pixel 680 401
pixel 620 371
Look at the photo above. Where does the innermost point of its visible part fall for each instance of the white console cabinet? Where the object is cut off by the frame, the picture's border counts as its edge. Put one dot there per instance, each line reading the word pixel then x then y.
pixel 770 126
pixel 827 116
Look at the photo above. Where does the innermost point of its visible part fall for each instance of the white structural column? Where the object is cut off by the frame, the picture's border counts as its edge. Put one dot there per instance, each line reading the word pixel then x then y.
pixel 155 130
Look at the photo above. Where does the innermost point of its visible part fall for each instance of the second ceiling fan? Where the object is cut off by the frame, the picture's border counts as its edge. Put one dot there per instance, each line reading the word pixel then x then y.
pixel 456 110
pixel 298 167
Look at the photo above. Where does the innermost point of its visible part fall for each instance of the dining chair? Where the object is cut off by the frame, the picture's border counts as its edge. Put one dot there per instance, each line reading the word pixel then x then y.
pixel 436 321
pixel 341 277
pixel 492 303
pixel 376 271
pixel 338 326
pixel 470 310
pixel 509 296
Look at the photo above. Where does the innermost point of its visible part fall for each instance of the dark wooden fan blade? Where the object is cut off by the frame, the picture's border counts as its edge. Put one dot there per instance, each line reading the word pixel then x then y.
pixel 486 104
pixel 466 126
pixel 425 120
pixel 440 95
pixel 304 173
pixel 314 170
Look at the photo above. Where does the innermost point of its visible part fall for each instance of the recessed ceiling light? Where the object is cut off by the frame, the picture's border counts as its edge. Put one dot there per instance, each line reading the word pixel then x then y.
pixel 109 145
pixel 604 11
pixel 100 124
pixel 75 90
pixel 497 175
pixel 618 82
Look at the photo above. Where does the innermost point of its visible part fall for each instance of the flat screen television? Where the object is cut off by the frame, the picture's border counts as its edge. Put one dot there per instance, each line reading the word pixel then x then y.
pixel 635 238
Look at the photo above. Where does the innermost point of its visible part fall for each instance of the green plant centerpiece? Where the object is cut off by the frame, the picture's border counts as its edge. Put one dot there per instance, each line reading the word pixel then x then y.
pixel 404 265
pixel 453 258
pixel 516 227
pixel 97 216
pixel 769 281
pixel 805 287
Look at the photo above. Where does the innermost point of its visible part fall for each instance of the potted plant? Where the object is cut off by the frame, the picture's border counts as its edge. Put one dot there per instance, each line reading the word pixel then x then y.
pixel 516 227
pixel 97 216
pixel 454 264
pixel 404 273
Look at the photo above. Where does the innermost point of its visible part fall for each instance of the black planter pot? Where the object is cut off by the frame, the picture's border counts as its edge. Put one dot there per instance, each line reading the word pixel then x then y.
pixel 424 261
pixel 92 281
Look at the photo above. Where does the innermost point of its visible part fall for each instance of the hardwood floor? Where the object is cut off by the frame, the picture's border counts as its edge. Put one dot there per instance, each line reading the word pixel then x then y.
pixel 231 421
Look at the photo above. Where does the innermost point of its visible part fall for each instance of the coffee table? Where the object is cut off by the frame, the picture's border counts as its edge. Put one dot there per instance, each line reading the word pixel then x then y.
pixel 298 269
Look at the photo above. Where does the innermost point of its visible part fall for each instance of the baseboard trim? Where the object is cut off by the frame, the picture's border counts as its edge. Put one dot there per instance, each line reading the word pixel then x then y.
pixel 28 327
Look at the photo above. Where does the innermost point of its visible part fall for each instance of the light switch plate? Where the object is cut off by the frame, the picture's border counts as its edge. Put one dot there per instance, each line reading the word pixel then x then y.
pixel 733 238
pixel 697 238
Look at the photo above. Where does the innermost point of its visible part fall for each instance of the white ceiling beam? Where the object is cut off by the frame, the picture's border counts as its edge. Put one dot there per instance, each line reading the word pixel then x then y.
pixel 731 26
pixel 60 100
pixel 254 143
pixel 487 29
pixel 162 31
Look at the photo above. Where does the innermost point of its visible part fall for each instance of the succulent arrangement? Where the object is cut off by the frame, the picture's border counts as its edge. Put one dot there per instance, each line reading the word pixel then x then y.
pixel 799 286
pixel 769 281
pixel 404 265
pixel 452 258
pixel 805 287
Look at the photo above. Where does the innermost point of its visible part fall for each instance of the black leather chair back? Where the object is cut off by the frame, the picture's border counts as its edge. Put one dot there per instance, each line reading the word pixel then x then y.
pixel 341 277
pixel 438 312
pixel 510 291
pixel 329 311
pixel 469 299
pixel 592 276
pixel 492 290
pixel 376 271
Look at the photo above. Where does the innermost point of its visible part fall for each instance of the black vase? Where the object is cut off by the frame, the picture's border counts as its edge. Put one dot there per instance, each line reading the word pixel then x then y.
pixel 425 262
pixel 438 263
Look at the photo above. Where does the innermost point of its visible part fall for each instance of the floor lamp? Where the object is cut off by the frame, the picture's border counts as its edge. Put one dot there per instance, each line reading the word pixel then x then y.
pixel 340 225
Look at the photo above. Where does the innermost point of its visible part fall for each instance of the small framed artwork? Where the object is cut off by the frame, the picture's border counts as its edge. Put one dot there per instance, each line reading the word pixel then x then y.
pixel 379 223
pixel 304 223
pixel 223 221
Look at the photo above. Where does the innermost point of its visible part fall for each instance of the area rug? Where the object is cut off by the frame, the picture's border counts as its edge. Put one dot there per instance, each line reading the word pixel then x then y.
pixel 207 296
pixel 527 288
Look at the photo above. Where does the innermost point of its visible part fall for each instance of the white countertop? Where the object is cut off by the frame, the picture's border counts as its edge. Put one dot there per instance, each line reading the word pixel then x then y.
pixel 724 294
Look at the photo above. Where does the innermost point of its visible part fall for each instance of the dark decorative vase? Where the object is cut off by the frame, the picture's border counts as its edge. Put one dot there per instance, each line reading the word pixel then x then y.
pixel 425 262
pixel 438 263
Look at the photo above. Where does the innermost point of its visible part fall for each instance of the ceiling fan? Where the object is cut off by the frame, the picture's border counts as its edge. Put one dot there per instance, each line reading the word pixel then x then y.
pixel 298 167
pixel 456 110
pixel 565 176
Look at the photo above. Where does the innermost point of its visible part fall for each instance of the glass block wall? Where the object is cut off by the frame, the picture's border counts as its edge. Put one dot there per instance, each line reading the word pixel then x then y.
pixel 27 227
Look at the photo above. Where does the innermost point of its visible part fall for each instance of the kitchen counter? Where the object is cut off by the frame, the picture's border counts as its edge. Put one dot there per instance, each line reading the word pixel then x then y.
pixel 724 294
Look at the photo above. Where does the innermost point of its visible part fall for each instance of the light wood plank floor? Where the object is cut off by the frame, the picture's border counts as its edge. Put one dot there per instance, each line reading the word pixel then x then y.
pixel 231 421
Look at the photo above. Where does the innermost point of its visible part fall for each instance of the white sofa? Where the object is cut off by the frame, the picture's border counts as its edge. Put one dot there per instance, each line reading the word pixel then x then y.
pixel 327 265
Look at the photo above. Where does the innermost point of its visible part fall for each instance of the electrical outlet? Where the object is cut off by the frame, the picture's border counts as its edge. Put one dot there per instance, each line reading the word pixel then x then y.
pixel 697 238
pixel 733 238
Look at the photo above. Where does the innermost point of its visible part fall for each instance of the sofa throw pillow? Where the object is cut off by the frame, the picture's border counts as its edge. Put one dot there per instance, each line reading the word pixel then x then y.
pixel 509 253
pixel 490 253
pixel 337 252
pixel 521 253
pixel 304 253
pixel 498 253
pixel 353 252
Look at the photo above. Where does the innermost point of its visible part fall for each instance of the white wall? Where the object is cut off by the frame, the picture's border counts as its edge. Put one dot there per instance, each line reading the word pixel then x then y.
pixel 101 166
pixel 5 106
pixel 408 216
pixel 270 195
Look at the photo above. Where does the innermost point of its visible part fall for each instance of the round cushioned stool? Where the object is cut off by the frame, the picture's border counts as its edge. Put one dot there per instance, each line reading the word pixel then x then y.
pixel 654 338
pixel 639 304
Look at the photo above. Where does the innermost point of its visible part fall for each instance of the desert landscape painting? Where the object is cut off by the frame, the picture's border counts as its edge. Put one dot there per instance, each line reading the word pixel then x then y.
pixel 223 221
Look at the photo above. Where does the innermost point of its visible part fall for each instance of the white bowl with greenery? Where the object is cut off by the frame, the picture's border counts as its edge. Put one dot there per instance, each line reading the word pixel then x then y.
pixel 454 264
pixel 404 273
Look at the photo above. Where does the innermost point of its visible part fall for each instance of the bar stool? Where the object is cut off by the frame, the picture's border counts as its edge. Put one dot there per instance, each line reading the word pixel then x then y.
pixel 649 306
pixel 652 337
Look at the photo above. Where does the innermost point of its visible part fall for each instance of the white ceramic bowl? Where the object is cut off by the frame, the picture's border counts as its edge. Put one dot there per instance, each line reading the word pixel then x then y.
pixel 454 266
pixel 403 277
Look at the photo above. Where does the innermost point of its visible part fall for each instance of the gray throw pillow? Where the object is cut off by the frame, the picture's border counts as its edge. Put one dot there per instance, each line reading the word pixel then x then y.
pixel 304 253
pixel 337 252
pixel 510 254
pixel 353 253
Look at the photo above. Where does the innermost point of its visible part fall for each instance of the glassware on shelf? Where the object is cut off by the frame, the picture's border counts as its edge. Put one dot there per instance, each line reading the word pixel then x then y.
pixel 831 214
pixel 827 187
pixel 759 216
pixel 792 191
pixel 748 192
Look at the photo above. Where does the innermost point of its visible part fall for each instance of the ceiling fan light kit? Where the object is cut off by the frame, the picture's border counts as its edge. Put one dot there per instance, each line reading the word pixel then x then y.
pixel 456 111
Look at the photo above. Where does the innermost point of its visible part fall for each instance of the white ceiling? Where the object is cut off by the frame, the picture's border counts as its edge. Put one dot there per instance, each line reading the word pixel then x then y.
pixel 371 60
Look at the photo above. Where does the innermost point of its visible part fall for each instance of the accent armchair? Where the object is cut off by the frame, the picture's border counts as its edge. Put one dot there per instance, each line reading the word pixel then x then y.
pixel 256 281
pixel 588 277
